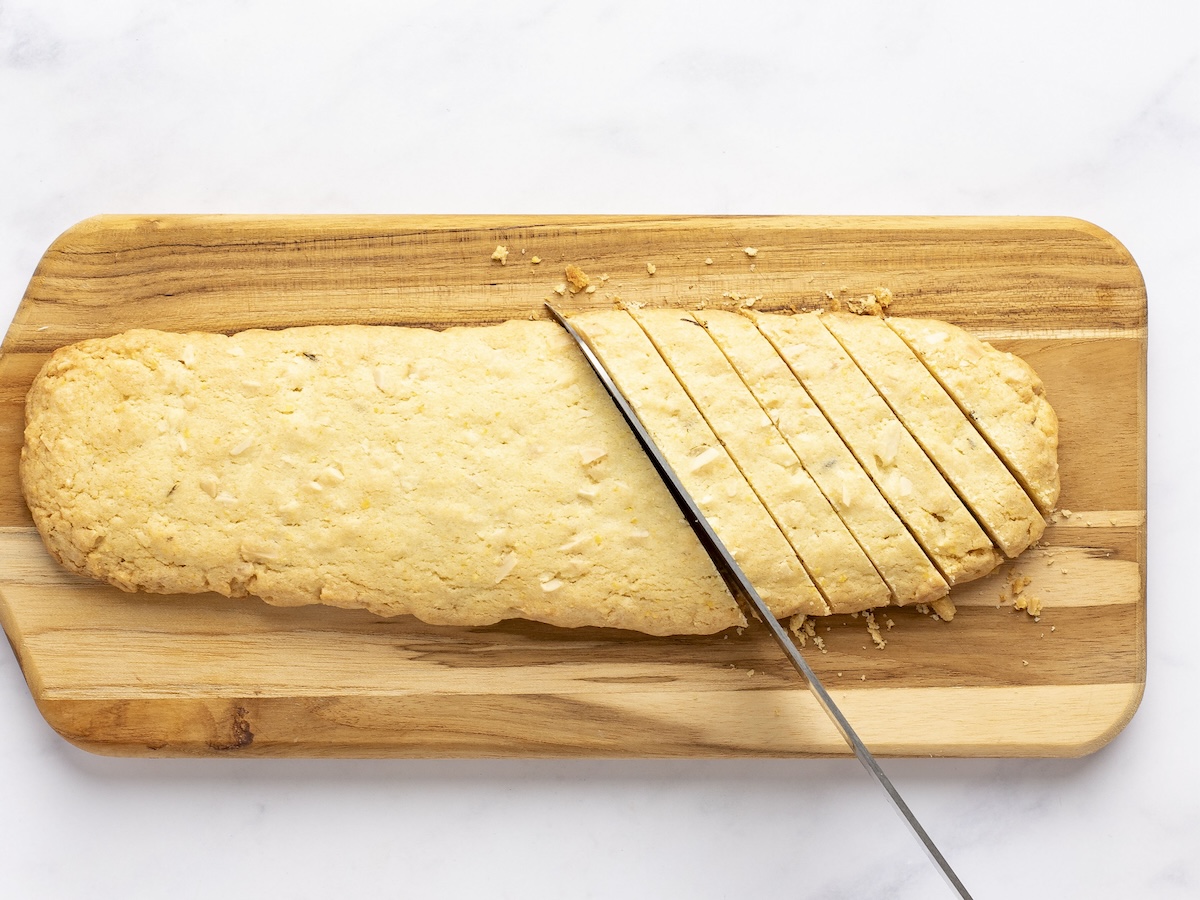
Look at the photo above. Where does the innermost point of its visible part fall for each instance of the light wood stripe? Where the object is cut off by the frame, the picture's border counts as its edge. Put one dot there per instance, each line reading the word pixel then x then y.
pixel 1060 334
pixel 1099 518
pixel 1045 721
pixel 1059 577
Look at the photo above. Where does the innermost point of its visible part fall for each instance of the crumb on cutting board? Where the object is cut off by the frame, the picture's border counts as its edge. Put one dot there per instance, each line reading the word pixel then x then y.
pixel 577 278
pixel 874 304
pixel 500 254
pixel 873 629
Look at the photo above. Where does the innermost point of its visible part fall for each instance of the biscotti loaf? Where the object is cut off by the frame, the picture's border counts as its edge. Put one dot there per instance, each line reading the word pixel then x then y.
pixel 481 474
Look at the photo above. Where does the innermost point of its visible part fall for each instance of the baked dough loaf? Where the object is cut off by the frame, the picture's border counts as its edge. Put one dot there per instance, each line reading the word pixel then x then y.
pixel 481 474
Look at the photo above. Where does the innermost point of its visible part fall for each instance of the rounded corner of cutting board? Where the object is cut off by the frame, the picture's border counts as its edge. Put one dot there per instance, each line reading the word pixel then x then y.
pixel 83 231
pixel 1109 240
pixel 1109 728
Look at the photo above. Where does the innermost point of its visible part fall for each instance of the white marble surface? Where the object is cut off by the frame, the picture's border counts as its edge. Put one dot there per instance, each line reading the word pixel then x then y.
pixel 1089 109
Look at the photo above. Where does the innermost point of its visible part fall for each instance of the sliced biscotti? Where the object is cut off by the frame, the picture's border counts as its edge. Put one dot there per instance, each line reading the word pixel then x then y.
pixel 958 450
pixel 837 565
pixel 702 463
pixel 1001 394
pixel 465 477
pixel 899 559
pixel 898 466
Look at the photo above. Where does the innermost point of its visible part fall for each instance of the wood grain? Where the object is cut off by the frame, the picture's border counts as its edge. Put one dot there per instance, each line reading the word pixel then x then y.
pixel 202 675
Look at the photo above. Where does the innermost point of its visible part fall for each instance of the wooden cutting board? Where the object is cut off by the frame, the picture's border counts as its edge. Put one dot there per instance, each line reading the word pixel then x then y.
pixel 138 674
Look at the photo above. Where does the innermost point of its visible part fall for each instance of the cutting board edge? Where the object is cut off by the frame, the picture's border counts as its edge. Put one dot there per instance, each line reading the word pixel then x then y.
pixel 224 727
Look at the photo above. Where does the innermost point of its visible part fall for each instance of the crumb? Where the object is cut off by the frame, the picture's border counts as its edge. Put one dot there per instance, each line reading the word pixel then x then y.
pixel 590 289
pixel 561 289
pixel 708 261
pixel 651 268
pixel 501 255
pixel 875 304
pixel 922 609
pixel 1052 628
pixel 890 624
pixel 536 260
pixel 750 674
pixel 752 267
pixel 1024 662
pixel 1066 513
pixel 603 277
pixel 1030 604
pixel 862 677
pixel 44 327
pixel 750 251
pixel 839 674
pixel 873 630
pixel 576 278
pixel 796 624
pixel 943 608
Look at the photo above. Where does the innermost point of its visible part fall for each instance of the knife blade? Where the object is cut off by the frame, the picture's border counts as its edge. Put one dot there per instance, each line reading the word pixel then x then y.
pixel 740 586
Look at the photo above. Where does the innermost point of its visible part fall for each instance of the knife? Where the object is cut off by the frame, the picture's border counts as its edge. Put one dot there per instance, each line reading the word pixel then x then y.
pixel 742 589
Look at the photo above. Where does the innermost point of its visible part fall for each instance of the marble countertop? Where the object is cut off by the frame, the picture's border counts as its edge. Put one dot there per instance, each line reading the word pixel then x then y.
pixel 1081 109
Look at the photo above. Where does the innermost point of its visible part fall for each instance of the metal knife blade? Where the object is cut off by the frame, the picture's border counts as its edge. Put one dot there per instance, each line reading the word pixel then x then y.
pixel 742 589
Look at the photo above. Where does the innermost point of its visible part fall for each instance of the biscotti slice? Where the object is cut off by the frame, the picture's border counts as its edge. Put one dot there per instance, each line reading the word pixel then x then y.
pixel 464 477
pixel 831 556
pixel 952 443
pixel 1001 394
pixel 899 559
pixel 703 465
pixel 898 466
